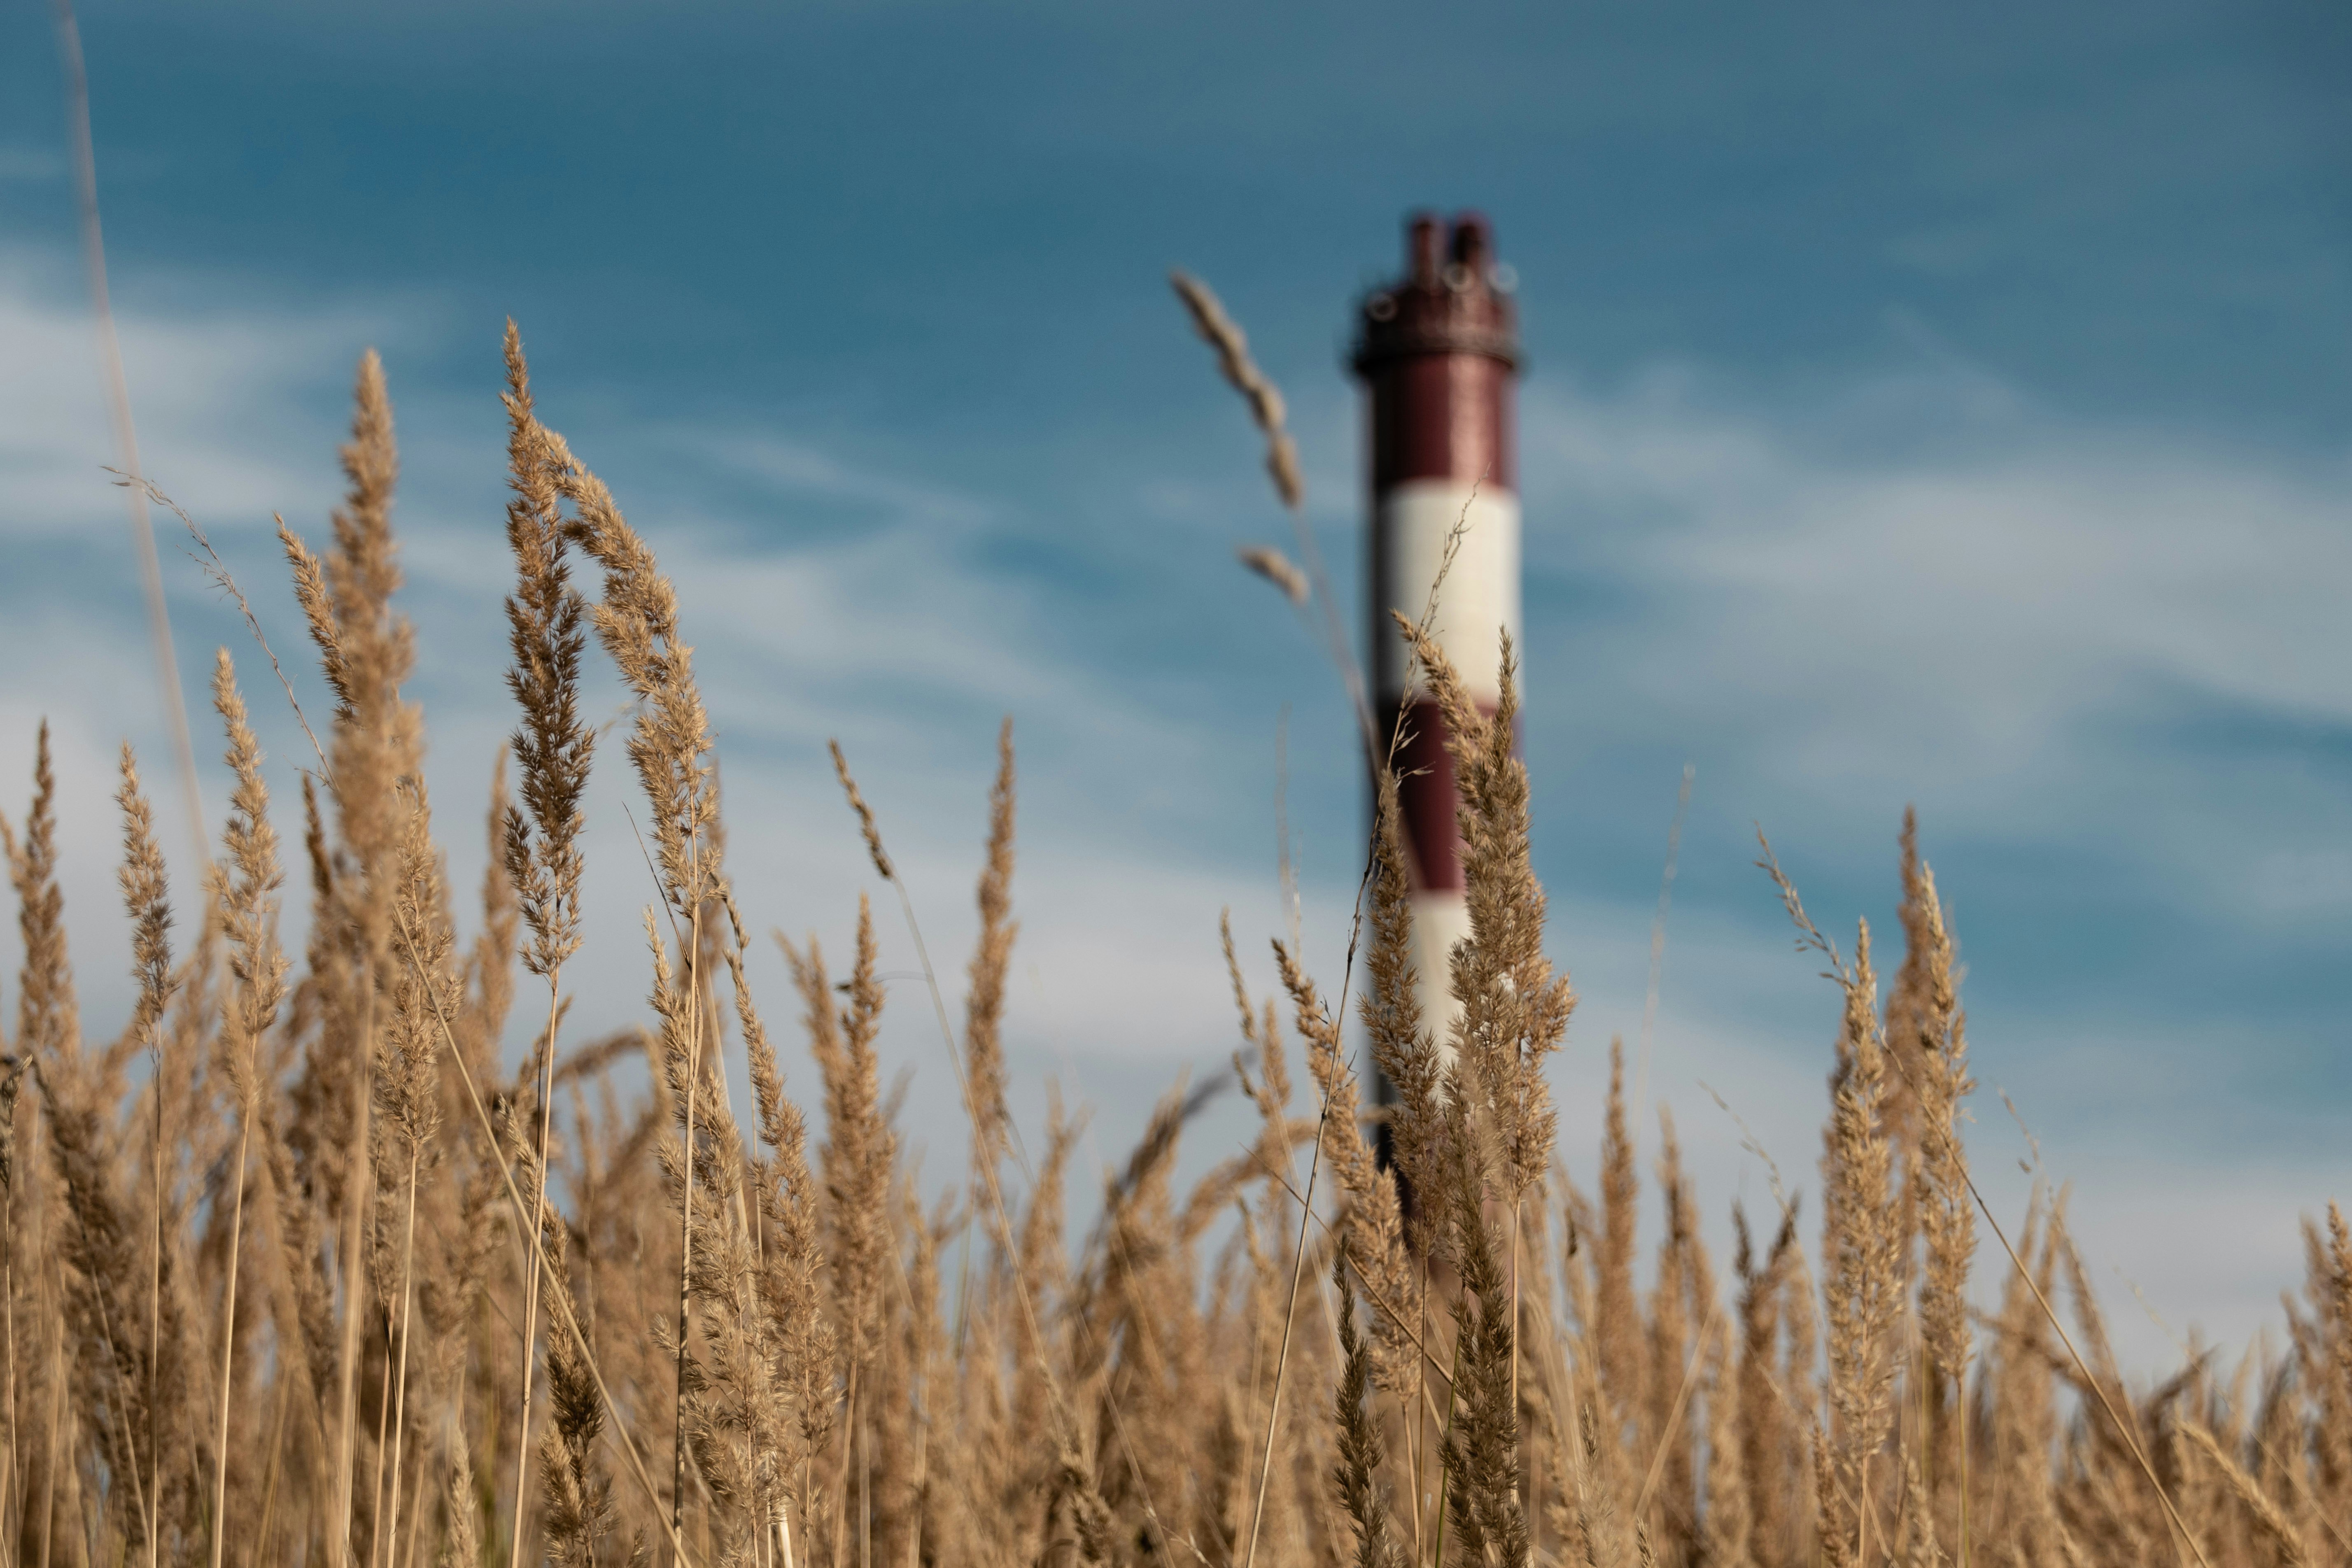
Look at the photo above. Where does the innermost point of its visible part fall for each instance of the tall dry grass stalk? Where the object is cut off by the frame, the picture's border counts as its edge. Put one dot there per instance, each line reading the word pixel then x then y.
pixel 1224 335
pixel 554 747
pixel 147 901
pixel 305 1265
pixel 1299 583
pixel 245 884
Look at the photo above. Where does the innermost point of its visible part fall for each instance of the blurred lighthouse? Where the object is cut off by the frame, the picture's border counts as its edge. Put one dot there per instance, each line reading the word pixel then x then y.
pixel 1438 354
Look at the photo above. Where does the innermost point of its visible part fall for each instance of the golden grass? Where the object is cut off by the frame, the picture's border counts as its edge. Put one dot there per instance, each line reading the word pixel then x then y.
pixel 329 1283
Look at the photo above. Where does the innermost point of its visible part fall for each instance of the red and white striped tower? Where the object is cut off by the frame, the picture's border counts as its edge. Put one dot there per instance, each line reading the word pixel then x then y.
pixel 1438 354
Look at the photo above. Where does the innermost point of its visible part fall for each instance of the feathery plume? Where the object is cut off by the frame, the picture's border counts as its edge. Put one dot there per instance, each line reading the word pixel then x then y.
pixel 244 888
pixel 984 1006
pixel 1862 1287
pixel 148 900
pixel 1684 1279
pixel 857 1151
pixel 11 1086
pixel 793 1251
pixel 1480 1451
pixel 46 1017
pixel 425 993
pixel 1919 1548
pixel 145 896
pixel 1356 1477
pixel 1370 1228
pixel 1767 1433
pixel 636 619
pixel 2268 1519
pixel 1726 1539
pixel 1222 333
pixel 408 1051
pixel 461 1547
pixel 1277 569
pixel 1515 1010
pixel 317 603
pixel 1948 1216
pixel 367 651
pixel 1411 1066
pixel 553 745
pixel 577 1507
pixel 670 747
pixel 1622 1357
pixel 866 826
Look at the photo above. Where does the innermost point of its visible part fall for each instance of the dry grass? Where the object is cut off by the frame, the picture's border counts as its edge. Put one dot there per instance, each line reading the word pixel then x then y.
pixel 297 1271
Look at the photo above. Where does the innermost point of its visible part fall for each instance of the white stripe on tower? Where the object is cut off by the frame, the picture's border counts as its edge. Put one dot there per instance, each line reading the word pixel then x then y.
pixel 1438 354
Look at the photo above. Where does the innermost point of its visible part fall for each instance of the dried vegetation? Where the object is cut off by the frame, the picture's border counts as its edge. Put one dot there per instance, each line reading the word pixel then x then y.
pixel 301 1268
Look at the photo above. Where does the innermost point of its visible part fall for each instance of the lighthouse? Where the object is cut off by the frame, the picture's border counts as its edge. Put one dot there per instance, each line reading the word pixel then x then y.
pixel 1437 352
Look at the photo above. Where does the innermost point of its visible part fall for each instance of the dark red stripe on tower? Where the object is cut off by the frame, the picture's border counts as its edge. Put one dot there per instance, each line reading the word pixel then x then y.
pixel 1442 416
pixel 1425 797
pixel 1438 354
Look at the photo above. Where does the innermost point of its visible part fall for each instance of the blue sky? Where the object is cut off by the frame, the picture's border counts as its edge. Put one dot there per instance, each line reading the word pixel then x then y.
pixel 1939 406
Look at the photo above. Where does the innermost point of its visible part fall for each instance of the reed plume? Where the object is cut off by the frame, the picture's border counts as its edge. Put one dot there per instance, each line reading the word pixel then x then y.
pixel 792 1260
pixel 146 898
pixel 1411 1068
pixel 578 1497
pixel 1355 1478
pixel 47 1021
pixel 149 903
pixel 855 1163
pixel 1480 1451
pixel 1935 1065
pixel 2324 1349
pixel 1683 1282
pixel 2269 1521
pixel 553 747
pixel 367 651
pixel 122 1321
pixel 1514 1014
pixel 425 994
pixel 1726 1526
pixel 1766 1422
pixel 244 887
pixel 1370 1229
pixel 984 1003
pixel 1514 1009
pixel 1862 1288
pixel 1622 1357
pixel 1224 335
pixel 670 745
pixel 461 1547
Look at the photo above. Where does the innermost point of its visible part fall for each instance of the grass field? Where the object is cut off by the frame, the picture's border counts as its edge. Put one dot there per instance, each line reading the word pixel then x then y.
pixel 297 1270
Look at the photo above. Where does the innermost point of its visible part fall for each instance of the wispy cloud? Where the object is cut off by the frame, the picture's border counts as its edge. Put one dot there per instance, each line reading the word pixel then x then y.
pixel 2040 624
pixel 215 391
